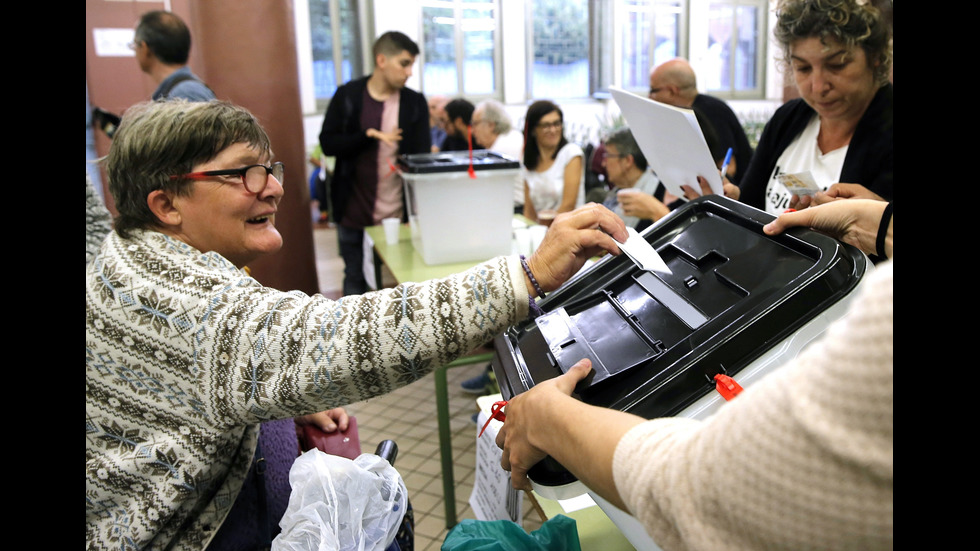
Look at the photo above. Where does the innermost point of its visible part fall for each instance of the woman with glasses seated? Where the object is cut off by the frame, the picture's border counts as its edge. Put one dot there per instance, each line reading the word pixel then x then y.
pixel 186 355
pixel 554 168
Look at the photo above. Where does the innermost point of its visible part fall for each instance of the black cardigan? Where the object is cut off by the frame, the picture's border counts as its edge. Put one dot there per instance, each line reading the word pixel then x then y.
pixel 870 155
pixel 341 136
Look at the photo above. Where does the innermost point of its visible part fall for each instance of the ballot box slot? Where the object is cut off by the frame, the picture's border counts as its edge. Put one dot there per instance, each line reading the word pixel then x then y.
pixel 678 305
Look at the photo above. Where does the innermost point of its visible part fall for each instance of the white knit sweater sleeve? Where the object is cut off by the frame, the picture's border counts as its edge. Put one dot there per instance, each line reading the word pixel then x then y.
pixel 801 460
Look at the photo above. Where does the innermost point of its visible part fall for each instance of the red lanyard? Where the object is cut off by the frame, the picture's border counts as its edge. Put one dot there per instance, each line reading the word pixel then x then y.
pixel 469 138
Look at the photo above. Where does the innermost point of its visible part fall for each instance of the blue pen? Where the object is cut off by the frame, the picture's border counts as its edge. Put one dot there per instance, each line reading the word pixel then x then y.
pixel 724 164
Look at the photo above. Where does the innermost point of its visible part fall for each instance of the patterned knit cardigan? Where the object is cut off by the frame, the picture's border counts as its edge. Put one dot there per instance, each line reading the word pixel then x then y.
pixel 185 355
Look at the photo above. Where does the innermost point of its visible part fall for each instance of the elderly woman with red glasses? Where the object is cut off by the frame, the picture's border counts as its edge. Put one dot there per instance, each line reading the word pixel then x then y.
pixel 186 355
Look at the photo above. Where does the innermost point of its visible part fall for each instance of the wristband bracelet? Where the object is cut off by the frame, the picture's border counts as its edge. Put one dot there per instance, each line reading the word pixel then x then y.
pixel 534 282
pixel 886 218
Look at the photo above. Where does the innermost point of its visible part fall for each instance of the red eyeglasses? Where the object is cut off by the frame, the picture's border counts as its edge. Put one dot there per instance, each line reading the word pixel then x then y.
pixel 254 177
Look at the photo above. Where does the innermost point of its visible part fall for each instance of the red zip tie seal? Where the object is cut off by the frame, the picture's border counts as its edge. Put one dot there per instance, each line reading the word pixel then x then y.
pixel 726 386
pixel 496 412
pixel 469 139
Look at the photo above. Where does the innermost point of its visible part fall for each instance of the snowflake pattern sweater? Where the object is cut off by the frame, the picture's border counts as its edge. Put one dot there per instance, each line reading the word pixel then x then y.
pixel 185 355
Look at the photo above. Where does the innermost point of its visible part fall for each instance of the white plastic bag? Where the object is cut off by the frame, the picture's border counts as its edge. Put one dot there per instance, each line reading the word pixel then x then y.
pixel 336 504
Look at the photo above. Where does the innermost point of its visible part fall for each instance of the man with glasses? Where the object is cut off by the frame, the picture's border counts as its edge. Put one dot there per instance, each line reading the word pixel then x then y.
pixel 186 355
pixel 637 196
pixel 492 127
pixel 674 83
pixel 162 43
pixel 369 122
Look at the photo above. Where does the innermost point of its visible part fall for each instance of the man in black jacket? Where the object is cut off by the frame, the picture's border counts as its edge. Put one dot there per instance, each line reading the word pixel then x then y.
pixel 370 121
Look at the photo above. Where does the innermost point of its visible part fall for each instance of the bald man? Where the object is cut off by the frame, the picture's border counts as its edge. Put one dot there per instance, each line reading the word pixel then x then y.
pixel 673 82
pixel 438 120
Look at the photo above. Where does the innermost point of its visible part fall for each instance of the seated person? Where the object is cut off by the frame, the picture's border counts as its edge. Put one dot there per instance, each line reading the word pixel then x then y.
pixel 492 128
pixel 278 440
pixel 459 113
pixel 186 355
pixel 627 169
pixel 646 208
pixel 437 121
pixel 554 168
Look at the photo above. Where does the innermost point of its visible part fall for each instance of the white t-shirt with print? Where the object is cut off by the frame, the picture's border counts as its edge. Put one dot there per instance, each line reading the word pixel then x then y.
pixel 803 155
pixel 546 187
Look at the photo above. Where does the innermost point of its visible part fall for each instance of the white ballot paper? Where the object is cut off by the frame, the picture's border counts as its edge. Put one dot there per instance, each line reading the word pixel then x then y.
pixel 642 253
pixel 671 140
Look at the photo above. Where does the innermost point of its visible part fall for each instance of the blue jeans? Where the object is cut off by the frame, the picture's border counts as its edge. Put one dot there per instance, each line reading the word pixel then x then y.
pixel 350 241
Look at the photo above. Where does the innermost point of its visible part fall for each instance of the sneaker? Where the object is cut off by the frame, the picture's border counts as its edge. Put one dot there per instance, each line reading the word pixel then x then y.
pixel 476 385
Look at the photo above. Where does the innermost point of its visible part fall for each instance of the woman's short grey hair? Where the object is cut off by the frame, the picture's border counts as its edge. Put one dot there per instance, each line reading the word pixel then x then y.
pixel 626 144
pixel 849 22
pixel 158 139
pixel 494 111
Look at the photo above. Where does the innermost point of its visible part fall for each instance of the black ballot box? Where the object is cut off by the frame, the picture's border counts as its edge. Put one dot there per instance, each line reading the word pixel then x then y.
pixel 735 299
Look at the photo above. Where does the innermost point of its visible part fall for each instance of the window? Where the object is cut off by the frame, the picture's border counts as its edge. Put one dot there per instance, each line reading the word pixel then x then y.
pixel 651 35
pixel 734 60
pixel 460 54
pixel 643 34
pixel 578 48
pixel 336 46
pixel 559 51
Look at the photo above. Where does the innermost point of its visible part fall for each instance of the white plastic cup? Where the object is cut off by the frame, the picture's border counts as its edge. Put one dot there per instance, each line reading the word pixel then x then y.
pixel 392 229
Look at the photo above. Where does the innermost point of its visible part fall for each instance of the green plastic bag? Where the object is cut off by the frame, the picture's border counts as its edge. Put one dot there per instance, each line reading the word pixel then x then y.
pixel 556 534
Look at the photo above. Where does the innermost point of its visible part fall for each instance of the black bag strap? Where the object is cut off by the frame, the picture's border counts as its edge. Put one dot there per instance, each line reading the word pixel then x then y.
pixel 177 80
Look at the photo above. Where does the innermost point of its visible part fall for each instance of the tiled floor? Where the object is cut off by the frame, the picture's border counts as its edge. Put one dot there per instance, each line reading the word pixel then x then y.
pixel 408 416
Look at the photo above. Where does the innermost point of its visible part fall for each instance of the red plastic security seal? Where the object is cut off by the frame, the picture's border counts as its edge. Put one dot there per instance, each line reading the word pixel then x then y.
pixel 726 386
pixel 469 139
pixel 496 412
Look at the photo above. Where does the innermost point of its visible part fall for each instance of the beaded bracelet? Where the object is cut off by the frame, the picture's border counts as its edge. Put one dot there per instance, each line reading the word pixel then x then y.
pixel 534 282
pixel 886 218
pixel 531 303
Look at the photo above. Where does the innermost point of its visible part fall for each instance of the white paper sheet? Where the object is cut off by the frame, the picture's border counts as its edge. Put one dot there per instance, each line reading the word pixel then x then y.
pixel 671 140
pixel 492 497
pixel 642 253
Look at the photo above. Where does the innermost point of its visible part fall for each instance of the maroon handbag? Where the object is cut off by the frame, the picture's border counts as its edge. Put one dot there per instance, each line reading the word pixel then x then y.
pixel 342 443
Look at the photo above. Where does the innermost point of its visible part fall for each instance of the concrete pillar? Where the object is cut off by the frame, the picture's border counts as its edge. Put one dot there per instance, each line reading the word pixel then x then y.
pixel 248 51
